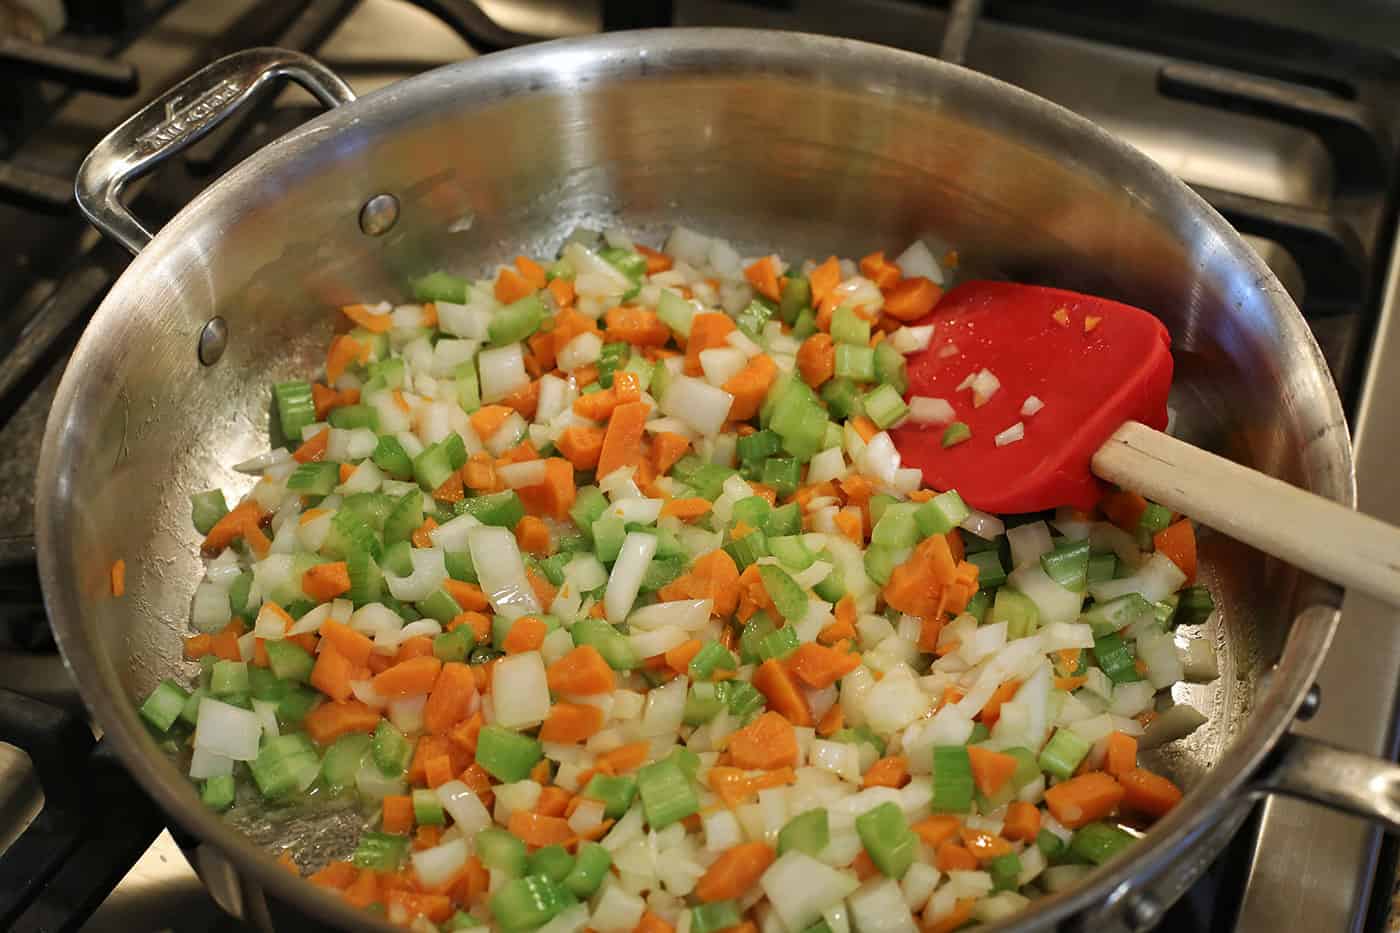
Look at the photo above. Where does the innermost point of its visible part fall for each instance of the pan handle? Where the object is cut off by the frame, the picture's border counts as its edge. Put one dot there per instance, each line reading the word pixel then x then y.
pixel 1334 777
pixel 178 118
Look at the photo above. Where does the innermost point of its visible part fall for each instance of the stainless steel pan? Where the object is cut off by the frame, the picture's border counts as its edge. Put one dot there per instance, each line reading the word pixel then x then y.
pixel 810 145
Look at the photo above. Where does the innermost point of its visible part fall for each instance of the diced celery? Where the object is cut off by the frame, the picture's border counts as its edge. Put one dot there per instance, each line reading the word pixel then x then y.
pixel 441 286
pixel 1099 842
pixel 890 367
pixel 552 862
pixel 1194 606
pixel 502 851
pixel 529 902
pixel 314 479
pixel 398 560
pixel 880 562
pixel 1016 610
pixel 507 756
pixel 796 297
pixel 1063 753
pixel 884 405
pixel 842 398
pixel 758 446
pixel 163 706
pixel 380 851
pixel 784 520
pixel 755 630
pixel 856 362
pixel 295 408
pixel 285 763
pixel 432 467
pixel 955 434
pixel 713 917
pixel 703 703
pixel 502 509
pixel 348 417
pixel 788 598
pixel 666 792
pixel 590 867
pixel 229 678
pixel 791 552
pixel 1005 869
pixel 611 358
pixel 1115 659
pixel 614 792
pixel 288 660
pixel 207 508
pixel 807 832
pixel 1109 617
pixel 342 761
pixel 390 457
pixel 850 328
pixel 952 779
pixel 217 792
pixel 516 321
pixel 941 514
pixel 1068 565
pixel 611 644
pixel 784 474
pixel 778 644
pixel 887 838
pixel 748 549
pixel 896 527
pixel 742 698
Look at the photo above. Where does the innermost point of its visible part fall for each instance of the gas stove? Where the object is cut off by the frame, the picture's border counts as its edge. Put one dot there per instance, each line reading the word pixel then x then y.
pixel 1278 117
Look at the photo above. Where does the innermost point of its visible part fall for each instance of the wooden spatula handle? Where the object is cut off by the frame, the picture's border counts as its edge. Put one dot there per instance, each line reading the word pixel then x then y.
pixel 1315 534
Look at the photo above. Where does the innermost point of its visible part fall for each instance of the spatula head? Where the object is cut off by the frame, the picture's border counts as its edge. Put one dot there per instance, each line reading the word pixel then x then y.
pixel 1093 363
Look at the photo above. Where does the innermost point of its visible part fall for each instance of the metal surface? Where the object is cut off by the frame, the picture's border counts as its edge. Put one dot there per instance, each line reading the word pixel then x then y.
pixel 603 130
pixel 1357 784
pixel 21 797
pixel 176 119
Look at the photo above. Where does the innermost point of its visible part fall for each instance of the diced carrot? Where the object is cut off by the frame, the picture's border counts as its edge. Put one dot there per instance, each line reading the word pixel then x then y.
pixel 355 646
pixel 433 907
pixel 990 770
pixel 336 875
pixel 532 535
pixel 596 406
pixel 686 509
pixel 984 845
pixel 763 276
pixel 408 678
pixel 955 919
pixel 571 723
pixel 622 445
pixel 324 582
pixel 678 658
pixel 467 595
pixel 453 696
pixel 362 316
pixel 364 890
pixel 863 866
pixel 816 359
pixel 832 721
pixel 397 815
pixel 438 770
pixel 652 923
pixel 531 271
pixel 850 526
pixel 734 872
pixel 637 326
pixel 991 710
pixel 487 419
pixel 582 445
pixel 313 449
pixel 347 470
pixel 511 286
pixel 818 666
pixel 1124 509
pixel 750 386
pixel 952 857
pixel 1022 823
pixel 772 680
pixel 824 278
pixel 707 331
pixel 936 830
pixel 1178 542
pixel 766 743
pixel 555 496
pixel 581 672
pixel 713 576
pixel 1145 792
pixel 914 586
pixel 621 760
pixel 242 521
pixel 197 646
pixel 525 401
pixel 344 351
pixel 753 595
pixel 1121 754
pixel 912 298
pixel 479 473
pixel 419 646
pixel 526 634
pixel 930 628
pixel 891 771
pixel 330 721
pixel 657 261
pixel 554 801
pixel 1084 798
pixel 332 673
pixel 116 575
pixel 536 830
pixel 426 837
pixel 880 270
pixel 543 589
pixel 667 447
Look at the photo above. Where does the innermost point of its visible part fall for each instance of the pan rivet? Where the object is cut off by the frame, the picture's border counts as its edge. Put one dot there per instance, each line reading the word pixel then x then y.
pixel 1142 912
pixel 213 340
pixel 379 214
pixel 1312 702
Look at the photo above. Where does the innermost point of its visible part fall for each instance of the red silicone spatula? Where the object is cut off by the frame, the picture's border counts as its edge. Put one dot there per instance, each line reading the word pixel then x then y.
pixel 1101 372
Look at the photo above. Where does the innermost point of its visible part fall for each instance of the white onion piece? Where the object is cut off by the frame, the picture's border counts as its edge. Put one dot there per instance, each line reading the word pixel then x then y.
pixel 688 614
pixel 210 611
pixel 507 435
pixel 466 809
pixel 587 815
pixel 264 460
pixel 556 397
pixel 271 625
pixel 699 404
pixel 918 261
pixel 451 536
pixel 912 339
pixel 226 730
pixel 799 887
pixel 1031 405
pixel 501 571
pixel 983 524
pixel 829 464
pixel 602 278
pixel 625 581
pixel 1054 602
pixel 375 618
pixel 522 699
pixel 1028 542
pixel 428 573
pixel 740 341
pixel 364 692
pixel 1158 651
pixel 581 350
pixel 406 713
pixel 502 372
pixel 1011 435
pixel 441 863
pixel 879 459
pixel 523 474
pixel 1157 579
pixel 665 708
pixel 926 410
pixel 648 643
pixel 637 510
pixel 984 385
pixel 586 572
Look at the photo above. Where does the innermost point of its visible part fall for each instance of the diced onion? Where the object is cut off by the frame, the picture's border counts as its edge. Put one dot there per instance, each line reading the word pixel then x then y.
pixel 581 350
pixel 522 475
pixel 502 372
pixel 519 690
pixel 912 339
pixel 926 410
pixel 688 614
pixel 451 536
pixel 364 692
pixel 1155 580
pixel 210 612
pixel 466 809
pixel 917 261
pixel 720 364
pixel 428 573
pixel 699 404
pixel 1011 435
pixel 665 708
pixel 205 764
pixel 441 863
pixel 799 887
pixel 984 385
pixel 625 581
pixel 226 730
pixel 983 524
pixel 501 571
pixel 1031 405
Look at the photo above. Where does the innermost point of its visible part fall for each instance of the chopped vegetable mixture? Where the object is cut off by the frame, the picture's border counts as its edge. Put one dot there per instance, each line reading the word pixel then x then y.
pixel 601 585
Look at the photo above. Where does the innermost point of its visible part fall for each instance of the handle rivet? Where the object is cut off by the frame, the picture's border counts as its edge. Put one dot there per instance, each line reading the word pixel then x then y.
pixel 213 341
pixel 1142 911
pixel 1312 702
pixel 379 215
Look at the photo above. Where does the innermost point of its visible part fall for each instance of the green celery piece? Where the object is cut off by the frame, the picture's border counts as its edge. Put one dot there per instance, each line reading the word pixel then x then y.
pixel 703 703
pixel 314 479
pixel 880 562
pixel 834 586
pixel 162 708
pixel 366 580
pixel 955 434
pixel 589 505
pixel 755 630
pixel 502 509
pixel 454 646
pixel 507 756
pixel 748 549
pixel 1102 568
pixel 516 321
pixel 666 792
pixel 884 405
pixel 460 567
pixel 791 552
pixel 285 763
pixel 468 386
pixel 391 749
pixel 1194 606
pixel 952 779
pixel 778 644
pixel 807 832
pixel 751 511
pixel 229 678
pixel 805 325
pixel 941 514
pixel 990 572
pixel 758 446
pixel 1016 610
pixel 380 851
pixel 896 527
pixel 850 328
pixel 398 559
pixel 788 598
pixel 1068 565
pixel 404 517
pixel 713 917
pixel 552 862
pixel 1063 753
pixel 348 417
pixel 891 368
pixel 616 793
pixel 390 457
pixel 1099 842
pixel 1116 614
pixel 742 698
pixel 427 808
pixel 342 761
pixel 293 707
pixel 1005 869
pixel 784 520
pixel 978 605
pixel 590 867
pixel 432 467
pixel 887 838
pixel 217 793
pixel 629 262
pixel 675 312
pixel 784 474
pixel 611 644
pixel 856 363
pixel 206 509
pixel 295 408
pixel 1115 659
pixel 502 851
pixel 529 902
pixel 372 507
pixel 796 297
pixel 661 571
pixel 842 399
pixel 441 286
pixel 859 734
pixel 439 606
pixel 289 660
